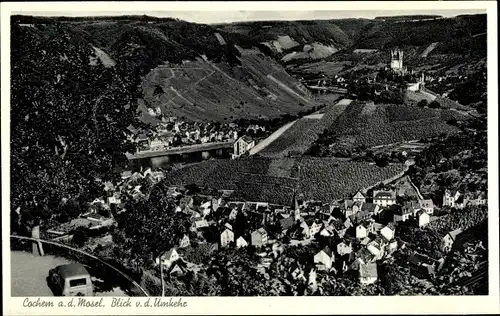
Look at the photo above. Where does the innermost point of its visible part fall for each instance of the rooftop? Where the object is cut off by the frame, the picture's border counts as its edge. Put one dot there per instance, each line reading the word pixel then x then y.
pixel 368 270
pixel 384 194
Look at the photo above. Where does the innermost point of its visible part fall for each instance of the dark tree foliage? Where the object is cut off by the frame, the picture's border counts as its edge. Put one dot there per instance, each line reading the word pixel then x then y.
pixel 152 226
pixel 80 237
pixel 422 103
pixel 69 119
pixel 434 105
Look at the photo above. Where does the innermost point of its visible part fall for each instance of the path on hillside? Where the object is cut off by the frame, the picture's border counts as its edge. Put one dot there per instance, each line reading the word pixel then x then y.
pixel 420 197
pixel 263 144
pixel 314 118
pixel 429 49
pixel 428 95
pixel 288 89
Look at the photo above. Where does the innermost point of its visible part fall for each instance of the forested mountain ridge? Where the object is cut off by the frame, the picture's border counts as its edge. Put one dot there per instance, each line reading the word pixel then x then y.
pixel 457 35
pixel 187 70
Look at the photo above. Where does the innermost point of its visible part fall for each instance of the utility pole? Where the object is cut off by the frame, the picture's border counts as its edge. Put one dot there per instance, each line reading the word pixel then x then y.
pixel 161 275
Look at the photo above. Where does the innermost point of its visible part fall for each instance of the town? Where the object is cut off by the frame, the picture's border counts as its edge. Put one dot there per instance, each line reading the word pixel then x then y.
pixel 256 166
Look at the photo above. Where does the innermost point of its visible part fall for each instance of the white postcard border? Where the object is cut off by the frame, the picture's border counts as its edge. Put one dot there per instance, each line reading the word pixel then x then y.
pixel 266 305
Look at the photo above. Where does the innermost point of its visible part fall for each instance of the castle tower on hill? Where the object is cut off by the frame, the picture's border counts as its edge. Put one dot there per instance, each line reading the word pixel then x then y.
pixel 397 59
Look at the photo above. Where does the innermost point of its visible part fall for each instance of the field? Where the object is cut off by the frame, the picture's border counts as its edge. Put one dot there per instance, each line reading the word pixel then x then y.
pixel 328 179
pixel 465 219
pixel 387 124
pixel 275 180
pixel 299 137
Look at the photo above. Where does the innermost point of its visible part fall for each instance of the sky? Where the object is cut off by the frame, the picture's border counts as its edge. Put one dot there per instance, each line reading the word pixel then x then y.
pixel 212 17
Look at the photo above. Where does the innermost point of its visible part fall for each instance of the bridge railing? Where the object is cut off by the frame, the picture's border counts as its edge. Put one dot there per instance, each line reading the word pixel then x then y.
pixel 107 275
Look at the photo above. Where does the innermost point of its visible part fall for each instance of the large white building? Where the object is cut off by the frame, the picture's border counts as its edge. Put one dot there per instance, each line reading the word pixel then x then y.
pixel 384 198
pixel 397 59
pixel 242 145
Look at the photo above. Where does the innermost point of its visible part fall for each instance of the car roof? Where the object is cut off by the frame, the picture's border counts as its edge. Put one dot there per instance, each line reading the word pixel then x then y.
pixel 71 270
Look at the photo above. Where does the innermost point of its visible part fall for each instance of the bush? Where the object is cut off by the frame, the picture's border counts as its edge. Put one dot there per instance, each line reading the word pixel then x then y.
pixel 423 103
pixel 434 105
pixel 151 283
pixel 80 237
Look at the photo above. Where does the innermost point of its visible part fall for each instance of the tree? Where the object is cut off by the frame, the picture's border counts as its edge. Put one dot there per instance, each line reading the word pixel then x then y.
pixel 80 237
pixel 434 105
pixel 69 119
pixel 422 103
pixel 152 226
pixel 461 266
pixel 394 278
pixel 381 160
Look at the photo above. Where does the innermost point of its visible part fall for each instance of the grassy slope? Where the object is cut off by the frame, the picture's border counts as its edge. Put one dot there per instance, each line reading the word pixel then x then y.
pixel 374 125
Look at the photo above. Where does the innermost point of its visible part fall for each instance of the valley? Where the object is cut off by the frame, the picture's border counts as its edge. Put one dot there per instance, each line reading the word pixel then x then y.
pixel 197 157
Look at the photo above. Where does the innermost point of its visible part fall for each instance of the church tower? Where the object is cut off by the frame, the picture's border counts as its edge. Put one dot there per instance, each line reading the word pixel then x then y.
pixel 396 59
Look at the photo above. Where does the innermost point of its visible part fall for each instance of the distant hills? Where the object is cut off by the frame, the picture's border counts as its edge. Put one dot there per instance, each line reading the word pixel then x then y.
pixel 242 70
pixel 188 70
pixel 380 33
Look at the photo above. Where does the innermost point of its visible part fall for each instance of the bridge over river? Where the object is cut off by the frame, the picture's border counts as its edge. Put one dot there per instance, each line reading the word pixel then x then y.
pixel 190 153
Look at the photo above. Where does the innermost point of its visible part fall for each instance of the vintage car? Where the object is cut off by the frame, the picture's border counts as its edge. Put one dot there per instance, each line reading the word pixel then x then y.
pixel 70 280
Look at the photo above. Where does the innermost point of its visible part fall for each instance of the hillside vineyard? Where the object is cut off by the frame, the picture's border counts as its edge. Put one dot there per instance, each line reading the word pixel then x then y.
pixel 341 157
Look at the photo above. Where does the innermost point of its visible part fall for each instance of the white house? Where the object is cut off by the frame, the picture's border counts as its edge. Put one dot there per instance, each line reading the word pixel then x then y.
pixel 449 239
pixel 359 197
pixel 259 237
pixel 344 248
pixel 427 205
pixel 206 208
pixel 200 224
pixel 298 273
pixel 384 198
pixel 241 242
pixel 361 232
pixel 388 232
pixel 469 198
pixel 168 258
pixel 375 249
pixel 325 257
pixel 242 145
pixel 413 86
pixel 408 210
pixel 352 207
pixel 184 242
pixel 422 218
pixel 450 197
pixel 312 279
pixel 315 228
pixel 226 237
pixel 368 273
pixel 393 246
pixel 233 214
pixel 326 232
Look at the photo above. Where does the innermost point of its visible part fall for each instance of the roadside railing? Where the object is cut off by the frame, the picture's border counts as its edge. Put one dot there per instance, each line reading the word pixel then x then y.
pixel 109 276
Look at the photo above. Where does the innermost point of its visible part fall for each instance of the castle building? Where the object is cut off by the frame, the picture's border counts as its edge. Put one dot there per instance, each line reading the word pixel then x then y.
pixel 396 59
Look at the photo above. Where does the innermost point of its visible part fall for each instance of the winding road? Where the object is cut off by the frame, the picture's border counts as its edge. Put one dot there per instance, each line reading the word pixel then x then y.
pixel 29 273
pixel 263 144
